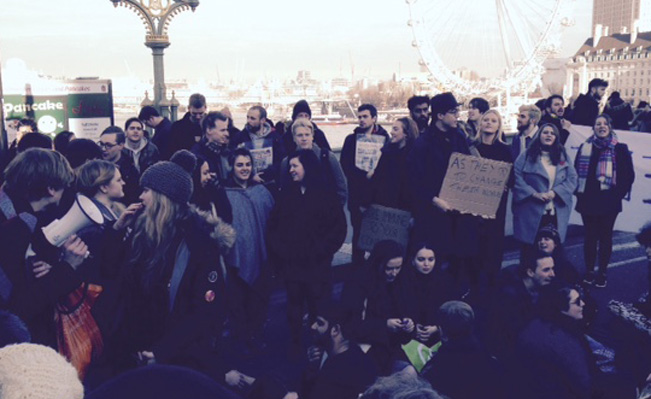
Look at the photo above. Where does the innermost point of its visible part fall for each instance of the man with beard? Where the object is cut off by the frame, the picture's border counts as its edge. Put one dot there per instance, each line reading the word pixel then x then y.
pixel 528 118
pixel 359 173
pixel 187 132
pixel 337 366
pixel 586 107
pixel 554 111
pixel 419 111
pixel 264 143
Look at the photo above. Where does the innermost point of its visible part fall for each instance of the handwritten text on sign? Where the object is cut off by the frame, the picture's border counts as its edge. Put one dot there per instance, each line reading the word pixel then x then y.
pixel 382 223
pixel 475 185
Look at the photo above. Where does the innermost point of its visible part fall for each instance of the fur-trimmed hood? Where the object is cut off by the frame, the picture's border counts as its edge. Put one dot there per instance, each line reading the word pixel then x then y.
pixel 222 233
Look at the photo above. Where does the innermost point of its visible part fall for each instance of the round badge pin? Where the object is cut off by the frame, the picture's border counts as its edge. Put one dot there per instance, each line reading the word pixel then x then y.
pixel 213 276
pixel 210 296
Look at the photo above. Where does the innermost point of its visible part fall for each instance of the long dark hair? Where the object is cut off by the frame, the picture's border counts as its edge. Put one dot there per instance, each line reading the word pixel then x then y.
pixel 383 252
pixel 556 152
pixel 314 177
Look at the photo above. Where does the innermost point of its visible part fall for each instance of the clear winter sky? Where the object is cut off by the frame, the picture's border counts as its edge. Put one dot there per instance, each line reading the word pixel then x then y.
pixel 239 39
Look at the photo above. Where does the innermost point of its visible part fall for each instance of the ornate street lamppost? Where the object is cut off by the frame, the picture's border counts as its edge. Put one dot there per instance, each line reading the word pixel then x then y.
pixel 156 15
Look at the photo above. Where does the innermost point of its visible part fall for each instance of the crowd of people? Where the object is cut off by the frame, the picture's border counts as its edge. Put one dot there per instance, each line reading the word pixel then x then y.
pixel 201 219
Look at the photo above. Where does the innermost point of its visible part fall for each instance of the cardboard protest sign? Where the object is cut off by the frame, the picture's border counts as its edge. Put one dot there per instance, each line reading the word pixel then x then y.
pixel 475 185
pixel 262 158
pixel 368 151
pixel 382 223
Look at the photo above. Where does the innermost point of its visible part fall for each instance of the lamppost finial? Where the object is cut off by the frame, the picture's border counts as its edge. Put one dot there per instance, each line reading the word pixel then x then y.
pixel 156 16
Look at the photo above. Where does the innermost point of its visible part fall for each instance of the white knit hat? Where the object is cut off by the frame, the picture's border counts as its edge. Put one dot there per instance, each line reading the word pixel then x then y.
pixel 37 372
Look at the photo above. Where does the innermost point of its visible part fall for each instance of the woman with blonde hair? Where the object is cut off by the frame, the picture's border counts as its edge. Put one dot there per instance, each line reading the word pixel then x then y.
pixel 102 182
pixel 490 144
pixel 174 277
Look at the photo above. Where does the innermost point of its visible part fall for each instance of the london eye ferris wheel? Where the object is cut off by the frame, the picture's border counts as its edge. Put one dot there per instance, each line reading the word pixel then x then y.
pixel 487 47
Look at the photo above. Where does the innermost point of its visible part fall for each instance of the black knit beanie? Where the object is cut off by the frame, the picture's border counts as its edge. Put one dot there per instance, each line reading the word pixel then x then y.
pixel 549 231
pixel 301 106
pixel 172 178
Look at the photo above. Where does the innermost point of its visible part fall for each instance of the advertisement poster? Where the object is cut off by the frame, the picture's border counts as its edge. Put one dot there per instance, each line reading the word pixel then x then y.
pixel 83 106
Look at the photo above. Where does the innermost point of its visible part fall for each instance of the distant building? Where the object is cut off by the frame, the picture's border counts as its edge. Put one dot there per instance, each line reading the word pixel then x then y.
pixel 465 73
pixel 621 16
pixel 304 77
pixel 340 82
pixel 624 60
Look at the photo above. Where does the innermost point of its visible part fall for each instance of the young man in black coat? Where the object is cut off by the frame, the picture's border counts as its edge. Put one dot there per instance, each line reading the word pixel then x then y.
pixel 33 273
pixel 586 107
pixel 162 129
pixel 453 235
pixel 514 303
pixel 359 180
pixel 554 112
pixel 187 131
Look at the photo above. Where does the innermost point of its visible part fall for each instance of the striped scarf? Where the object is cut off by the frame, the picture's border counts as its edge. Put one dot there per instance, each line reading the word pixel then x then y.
pixel 606 166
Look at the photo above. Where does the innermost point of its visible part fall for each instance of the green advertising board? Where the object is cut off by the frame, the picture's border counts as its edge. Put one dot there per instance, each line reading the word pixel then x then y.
pixel 83 106
pixel 49 112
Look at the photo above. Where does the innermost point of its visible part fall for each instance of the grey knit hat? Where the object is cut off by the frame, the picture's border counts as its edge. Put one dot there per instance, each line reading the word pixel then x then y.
pixel 172 178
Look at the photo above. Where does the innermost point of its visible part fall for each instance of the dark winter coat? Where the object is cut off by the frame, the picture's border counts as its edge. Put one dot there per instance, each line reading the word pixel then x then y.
pixel 212 196
pixel 305 230
pixel 31 299
pixel 555 361
pixel 512 307
pixel 390 181
pixel 217 158
pixel 185 134
pixel 149 155
pixel 183 331
pixel 594 201
pixel 269 139
pixel 620 113
pixel 461 369
pixel 450 232
pixel 491 231
pixel 131 179
pixel 162 138
pixel 373 300
pixel 516 144
pixel 335 177
pixel 343 376
pixel 421 295
pixel 585 111
pixel 359 186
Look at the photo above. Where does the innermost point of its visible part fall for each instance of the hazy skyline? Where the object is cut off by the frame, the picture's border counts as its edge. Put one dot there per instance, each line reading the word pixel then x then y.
pixel 235 40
